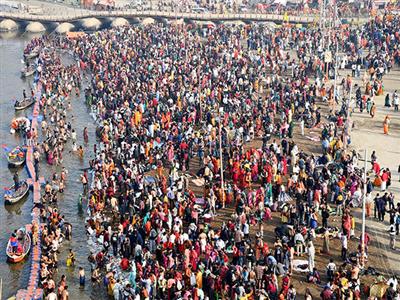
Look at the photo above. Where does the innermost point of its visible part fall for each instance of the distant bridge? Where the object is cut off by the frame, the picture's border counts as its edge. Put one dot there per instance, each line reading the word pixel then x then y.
pixel 71 15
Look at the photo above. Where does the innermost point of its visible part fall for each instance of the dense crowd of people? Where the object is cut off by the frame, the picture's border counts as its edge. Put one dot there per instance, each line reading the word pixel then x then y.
pixel 57 83
pixel 194 120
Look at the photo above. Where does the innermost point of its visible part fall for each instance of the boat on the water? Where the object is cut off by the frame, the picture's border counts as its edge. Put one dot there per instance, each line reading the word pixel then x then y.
pixel 25 103
pixel 19 124
pixel 26 72
pixel 12 196
pixel 18 246
pixel 16 157
pixel 32 54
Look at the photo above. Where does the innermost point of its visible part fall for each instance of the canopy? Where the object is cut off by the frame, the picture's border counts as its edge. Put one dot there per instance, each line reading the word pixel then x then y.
pixel 148 21
pixel 75 35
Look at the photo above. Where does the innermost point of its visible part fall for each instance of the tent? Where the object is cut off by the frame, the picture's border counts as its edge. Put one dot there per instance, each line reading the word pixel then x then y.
pixel 75 35
pixel 148 21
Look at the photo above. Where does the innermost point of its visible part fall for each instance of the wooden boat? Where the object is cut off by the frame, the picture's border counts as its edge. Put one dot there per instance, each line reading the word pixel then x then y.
pixel 20 105
pixel 19 124
pixel 34 53
pixel 12 196
pixel 26 72
pixel 25 243
pixel 16 157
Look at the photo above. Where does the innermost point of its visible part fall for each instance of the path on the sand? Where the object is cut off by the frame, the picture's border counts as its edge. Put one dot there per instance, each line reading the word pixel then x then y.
pixel 368 134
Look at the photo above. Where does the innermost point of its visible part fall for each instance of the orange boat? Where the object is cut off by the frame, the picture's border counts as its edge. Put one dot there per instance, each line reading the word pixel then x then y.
pixel 24 242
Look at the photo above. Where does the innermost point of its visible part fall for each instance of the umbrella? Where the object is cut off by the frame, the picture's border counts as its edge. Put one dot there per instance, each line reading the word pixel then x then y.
pixel 148 21
pixel 378 290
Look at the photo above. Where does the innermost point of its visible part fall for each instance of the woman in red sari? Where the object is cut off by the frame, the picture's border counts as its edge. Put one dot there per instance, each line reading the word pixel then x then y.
pixel 284 166
pixel 235 172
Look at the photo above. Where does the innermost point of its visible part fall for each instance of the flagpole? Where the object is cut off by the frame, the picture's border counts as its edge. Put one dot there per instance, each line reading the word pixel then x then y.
pixel 363 211
pixel 220 157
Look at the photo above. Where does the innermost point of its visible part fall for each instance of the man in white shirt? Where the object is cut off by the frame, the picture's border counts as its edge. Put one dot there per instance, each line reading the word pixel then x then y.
pixel 330 270
pixel 299 242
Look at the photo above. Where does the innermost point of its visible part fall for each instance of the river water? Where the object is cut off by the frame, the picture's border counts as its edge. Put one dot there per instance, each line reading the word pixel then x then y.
pixel 15 276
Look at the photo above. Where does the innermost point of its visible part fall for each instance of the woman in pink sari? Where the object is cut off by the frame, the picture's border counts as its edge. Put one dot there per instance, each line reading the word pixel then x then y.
pixel 170 153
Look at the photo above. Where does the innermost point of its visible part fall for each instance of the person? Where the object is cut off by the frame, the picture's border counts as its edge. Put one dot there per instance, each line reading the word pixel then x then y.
pixel 96 276
pixel 330 270
pixel 65 293
pixel 326 247
pixel 291 293
pixel 393 280
pixel 373 110
pixel 343 239
pixel 368 204
pixel 314 276
pixel 84 181
pixel 325 216
pixel 73 136
pixel 299 242
pixel 381 208
pixel 398 171
pixel 82 279
pixel 376 205
pixel 80 152
pixel 327 293
pixel 14 242
pixel 85 135
pixel 16 181
pixel 302 125
pixel 308 295
pixel 373 157
pixel 70 258
pixel 51 296
pixel 311 255
pixel 387 101
pixel 391 293
pixel 396 101
pixel 386 123
pixel 392 236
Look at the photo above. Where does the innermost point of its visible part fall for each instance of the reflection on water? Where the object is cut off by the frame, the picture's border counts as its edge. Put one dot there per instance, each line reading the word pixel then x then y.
pixel 15 276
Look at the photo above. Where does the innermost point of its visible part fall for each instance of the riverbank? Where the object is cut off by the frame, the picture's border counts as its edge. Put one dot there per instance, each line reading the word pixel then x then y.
pixel 15 216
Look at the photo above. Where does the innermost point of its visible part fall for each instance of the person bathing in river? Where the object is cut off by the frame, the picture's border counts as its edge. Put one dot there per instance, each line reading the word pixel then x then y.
pixel 85 135
pixel 80 152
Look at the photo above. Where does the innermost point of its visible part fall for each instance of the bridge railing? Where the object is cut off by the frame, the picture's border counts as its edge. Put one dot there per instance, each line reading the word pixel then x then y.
pixel 76 14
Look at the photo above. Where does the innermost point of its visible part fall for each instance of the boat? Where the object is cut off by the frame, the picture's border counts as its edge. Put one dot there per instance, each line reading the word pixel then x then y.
pixel 26 72
pixel 19 124
pixel 24 241
pixel 34 53
pixel 12 196
pixel 16 157
pixel 20 105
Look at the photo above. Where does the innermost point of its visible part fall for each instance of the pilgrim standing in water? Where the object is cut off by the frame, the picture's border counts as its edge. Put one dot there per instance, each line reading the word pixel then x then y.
pixel 85 135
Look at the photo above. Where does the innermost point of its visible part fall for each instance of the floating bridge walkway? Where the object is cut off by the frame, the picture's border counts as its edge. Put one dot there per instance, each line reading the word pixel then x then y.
pixel 33 291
